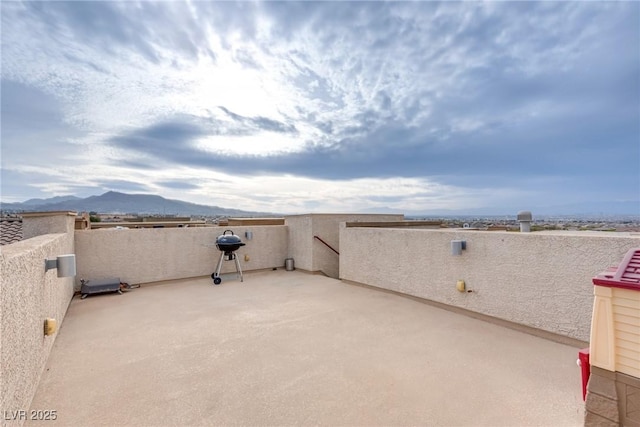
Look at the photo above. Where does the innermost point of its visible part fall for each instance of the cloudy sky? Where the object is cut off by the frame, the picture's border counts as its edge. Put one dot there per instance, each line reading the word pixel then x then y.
pixel 323 106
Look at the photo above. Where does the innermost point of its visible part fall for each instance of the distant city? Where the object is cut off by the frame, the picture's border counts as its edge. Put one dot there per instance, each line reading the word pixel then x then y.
pixel 618 223
pixel 120 207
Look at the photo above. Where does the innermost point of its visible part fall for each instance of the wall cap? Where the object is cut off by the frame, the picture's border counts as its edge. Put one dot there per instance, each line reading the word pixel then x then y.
pixel 47 213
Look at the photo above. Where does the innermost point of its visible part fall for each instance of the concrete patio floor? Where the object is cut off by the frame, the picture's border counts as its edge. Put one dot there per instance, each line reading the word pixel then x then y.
pixel 289 348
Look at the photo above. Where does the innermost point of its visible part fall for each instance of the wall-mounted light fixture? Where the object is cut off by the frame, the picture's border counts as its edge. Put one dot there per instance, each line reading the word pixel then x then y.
pixel 248 235
pixel 50 326
pixel 66 265
pixel 457 246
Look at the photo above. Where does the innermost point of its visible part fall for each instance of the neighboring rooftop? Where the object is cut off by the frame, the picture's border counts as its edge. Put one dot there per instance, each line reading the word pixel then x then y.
pixel 291 348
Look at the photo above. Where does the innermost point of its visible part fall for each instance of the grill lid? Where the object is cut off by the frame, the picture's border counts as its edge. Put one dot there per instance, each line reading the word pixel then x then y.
pixel 228 242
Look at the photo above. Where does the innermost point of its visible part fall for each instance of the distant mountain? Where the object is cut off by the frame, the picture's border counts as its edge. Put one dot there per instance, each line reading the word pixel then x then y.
pixel 38 202
pixel 114 202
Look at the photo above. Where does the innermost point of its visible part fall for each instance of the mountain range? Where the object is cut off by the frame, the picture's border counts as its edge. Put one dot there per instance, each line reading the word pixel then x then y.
pixel 114 202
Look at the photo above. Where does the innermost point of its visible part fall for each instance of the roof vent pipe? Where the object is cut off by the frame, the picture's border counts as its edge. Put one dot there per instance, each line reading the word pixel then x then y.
pixel 525 218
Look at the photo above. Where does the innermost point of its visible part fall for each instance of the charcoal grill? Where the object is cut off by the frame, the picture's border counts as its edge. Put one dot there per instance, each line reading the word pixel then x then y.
pixel 227 244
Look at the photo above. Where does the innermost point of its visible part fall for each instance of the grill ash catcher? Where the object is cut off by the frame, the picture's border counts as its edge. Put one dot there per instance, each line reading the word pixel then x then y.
pixel 227 244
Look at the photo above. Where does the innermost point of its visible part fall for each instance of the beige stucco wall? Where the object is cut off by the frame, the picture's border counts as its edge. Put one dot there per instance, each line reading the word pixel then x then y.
pixel 29 295
pixel 310 254
pixel 542 280
pixel 300 237
pixel 155 254
pixel 39 223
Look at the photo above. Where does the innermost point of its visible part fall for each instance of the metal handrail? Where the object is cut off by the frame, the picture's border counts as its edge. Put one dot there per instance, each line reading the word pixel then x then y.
pixel 326 244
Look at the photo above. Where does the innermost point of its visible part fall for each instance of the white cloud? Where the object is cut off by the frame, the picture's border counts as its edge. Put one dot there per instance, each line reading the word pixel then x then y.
pixel 447 88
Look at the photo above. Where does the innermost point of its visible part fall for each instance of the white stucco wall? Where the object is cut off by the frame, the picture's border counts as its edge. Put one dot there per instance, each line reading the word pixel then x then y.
pixel 28 296
pixel 310 254
pixel 156 254
pixel 542 280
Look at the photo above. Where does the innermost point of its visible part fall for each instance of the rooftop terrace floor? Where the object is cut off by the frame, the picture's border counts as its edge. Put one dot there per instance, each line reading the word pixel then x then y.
pixel 290 348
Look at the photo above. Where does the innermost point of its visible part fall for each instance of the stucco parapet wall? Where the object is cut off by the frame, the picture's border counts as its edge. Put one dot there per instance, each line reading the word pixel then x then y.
pixel 394 224
pixel 150 224
pixel 308 252
pixel 231 222
pixel 587 233
pixel 526 278
pixel 148 255
pixel 29 294
pixel 49 213
pixel 25 246
pixel 457 232
pixel 39 223
pixel 534 234
pixel 345 215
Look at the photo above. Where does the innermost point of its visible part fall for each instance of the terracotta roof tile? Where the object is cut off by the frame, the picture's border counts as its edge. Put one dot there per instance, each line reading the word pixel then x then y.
pixel 10 230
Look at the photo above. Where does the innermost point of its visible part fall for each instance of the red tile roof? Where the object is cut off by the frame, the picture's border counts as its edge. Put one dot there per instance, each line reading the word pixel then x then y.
pixel 10 230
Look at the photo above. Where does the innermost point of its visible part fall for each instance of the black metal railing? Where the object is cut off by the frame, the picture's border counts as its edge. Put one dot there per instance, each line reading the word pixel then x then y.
pixel 326 244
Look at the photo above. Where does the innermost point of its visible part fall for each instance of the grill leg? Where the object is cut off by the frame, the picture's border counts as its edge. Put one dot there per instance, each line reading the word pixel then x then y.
pixel 219 266
pixel 238 269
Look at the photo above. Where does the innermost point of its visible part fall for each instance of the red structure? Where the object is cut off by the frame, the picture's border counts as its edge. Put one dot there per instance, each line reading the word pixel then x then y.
pixel 585 368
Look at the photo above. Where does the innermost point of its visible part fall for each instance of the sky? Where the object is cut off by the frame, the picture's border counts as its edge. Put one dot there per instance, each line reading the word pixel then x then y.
pixel 298 107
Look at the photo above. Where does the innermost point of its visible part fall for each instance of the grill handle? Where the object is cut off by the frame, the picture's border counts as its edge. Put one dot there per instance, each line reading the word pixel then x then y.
pixel 230 231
